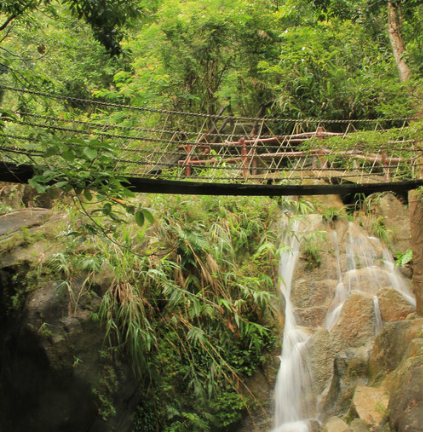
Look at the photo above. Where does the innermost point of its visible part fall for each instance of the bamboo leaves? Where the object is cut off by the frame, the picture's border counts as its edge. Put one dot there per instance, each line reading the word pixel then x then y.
pixel 192 320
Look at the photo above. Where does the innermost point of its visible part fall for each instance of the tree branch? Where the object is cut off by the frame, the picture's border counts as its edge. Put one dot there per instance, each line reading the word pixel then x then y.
pixel 9 20
pixel 397 41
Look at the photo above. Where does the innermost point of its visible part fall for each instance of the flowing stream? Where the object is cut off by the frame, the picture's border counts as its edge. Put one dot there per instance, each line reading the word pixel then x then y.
pixel 365 267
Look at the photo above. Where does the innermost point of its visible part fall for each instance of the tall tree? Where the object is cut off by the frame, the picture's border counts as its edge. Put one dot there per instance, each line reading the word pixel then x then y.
pixel 397 40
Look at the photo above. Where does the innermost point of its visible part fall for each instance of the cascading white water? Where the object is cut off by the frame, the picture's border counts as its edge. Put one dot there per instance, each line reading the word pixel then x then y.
pixel 367 267
pixel 291 411
pixel 378 316
pixel 341 291
pixel 397 281
pixel 363 274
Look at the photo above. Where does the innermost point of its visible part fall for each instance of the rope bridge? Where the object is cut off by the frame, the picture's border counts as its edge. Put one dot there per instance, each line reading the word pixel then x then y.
pixel 217 154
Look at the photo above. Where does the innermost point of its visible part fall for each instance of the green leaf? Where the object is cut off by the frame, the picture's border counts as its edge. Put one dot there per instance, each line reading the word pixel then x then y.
pixel 40 188
pixel 51 151
pixel 88 195
pixel 107 209
pixel 148 216
pixel 61 184
pixel 139 218
pixel 90 153
pixel 68 156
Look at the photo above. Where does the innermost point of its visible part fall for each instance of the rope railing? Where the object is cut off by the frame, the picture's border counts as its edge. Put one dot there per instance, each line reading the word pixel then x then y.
pixel 234 152
pixel 190 114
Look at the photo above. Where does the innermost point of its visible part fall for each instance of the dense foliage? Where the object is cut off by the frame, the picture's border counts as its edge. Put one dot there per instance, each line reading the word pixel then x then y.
pixel 188 303
pixel 190 306
pixel 330 59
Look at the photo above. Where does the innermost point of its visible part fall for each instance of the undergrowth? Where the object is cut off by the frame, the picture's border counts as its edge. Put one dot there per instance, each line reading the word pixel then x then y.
pixel 189 303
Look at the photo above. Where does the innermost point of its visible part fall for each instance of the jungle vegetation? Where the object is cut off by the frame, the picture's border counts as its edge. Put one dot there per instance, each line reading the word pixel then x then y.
pixel 191 289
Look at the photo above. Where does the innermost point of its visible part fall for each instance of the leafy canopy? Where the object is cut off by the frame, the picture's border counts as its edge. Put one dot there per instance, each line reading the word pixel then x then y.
pixel 107 18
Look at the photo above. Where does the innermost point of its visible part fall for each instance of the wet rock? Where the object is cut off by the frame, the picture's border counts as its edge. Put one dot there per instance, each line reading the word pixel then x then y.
pixel 390 346
pixel 370 404
pixel 358 425
pixel 406 403
pixel 396 219
pixel 335 424
pixel 351 368
pixel 356 324
pixel 321 360
pixel 393 306
pixel 314 426
pixel 311 317
pixel 308 292
pixel 407 270
pixel 71 324
pixel 363 278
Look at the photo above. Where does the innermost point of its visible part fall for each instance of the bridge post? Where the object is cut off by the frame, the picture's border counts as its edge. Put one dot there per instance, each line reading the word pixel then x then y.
pixel 187 160
pixel 385 163
pixel 254 163
pixel 244 157
pixel 323 161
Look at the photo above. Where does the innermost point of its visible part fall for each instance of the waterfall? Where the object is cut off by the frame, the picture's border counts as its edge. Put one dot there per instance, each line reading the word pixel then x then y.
pixel 363 265
pixel 378 317
pixel 341 291
pixel 291 411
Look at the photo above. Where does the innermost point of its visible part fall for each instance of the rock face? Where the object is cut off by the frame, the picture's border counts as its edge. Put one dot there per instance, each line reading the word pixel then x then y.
pixel 335 424
pixel 391 345
pixel 54 372
pixel 393 306
pixel 354 376
pixel 320 358
pixel 396 219
pixel 397 362
pixel 356 323
pixel 406 403
pixel 370 404
pixel 351 368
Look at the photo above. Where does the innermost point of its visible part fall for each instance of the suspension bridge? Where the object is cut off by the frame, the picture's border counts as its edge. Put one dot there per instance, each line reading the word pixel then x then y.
pixel 219 154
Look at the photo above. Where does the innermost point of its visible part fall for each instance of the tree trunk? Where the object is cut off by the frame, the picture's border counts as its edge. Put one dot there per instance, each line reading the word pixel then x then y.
pixel 416 225
pixel 397 42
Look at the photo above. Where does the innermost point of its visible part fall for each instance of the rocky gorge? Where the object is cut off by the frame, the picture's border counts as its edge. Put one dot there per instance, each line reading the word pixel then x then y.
pixel 365 365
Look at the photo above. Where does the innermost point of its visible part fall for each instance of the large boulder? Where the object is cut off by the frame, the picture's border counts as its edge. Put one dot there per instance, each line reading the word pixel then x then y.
pixel 370 404
pixel 356 324
pixel 406 403
pixel 320 359
pixel 335 424
pixel 391 345
pixel 351 368
pixel 309 292
pixel 393 306
pixel 358 425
